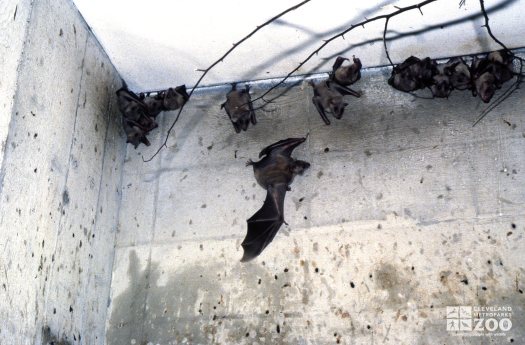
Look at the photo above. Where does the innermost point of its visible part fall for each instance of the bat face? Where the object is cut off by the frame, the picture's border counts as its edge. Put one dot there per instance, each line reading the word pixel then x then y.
pixel 459 74
pixel 328 98
pixel 346 75
pixel 275 172
pixel 239 108
pixel 441 86
pixel 175 98
pixel 485 86
pixel 135 135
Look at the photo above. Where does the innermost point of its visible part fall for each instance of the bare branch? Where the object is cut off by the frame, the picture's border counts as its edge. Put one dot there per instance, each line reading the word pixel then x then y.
pixel 325 43
pixel 235 45
pixel 482 5
pixel 384 42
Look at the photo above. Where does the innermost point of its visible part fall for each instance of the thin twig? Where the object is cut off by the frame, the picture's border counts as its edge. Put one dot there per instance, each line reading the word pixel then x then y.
pixel 341 34
pixel 482 5
pixel 235 45
pixel 384 42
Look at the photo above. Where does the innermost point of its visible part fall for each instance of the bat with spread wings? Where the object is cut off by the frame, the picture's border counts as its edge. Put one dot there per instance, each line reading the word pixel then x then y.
pixel 275 172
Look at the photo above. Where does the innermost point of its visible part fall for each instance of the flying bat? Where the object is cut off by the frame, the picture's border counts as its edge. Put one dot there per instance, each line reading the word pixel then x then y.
pixel 239 108
pixel 275 172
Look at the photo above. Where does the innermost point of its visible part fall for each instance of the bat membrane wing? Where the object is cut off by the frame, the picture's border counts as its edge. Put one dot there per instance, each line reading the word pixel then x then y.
pixel 264 224
pixel 284 147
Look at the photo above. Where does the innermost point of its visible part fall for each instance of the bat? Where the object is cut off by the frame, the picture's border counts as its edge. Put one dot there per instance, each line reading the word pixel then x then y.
pixel 501 66
pixel 239 108
pixel 441 86
pixel 483 79
pixel 134 110
pixel 166 100
pixel 485 86
pixel 413 74
pixel 459 74
pixel 274 172
pixel 328 97
pixel 346 75
pixel 135 135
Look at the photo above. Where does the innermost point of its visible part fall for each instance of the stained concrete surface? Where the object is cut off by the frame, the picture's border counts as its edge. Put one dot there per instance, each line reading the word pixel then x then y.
pixel 59 178
pixel 406 209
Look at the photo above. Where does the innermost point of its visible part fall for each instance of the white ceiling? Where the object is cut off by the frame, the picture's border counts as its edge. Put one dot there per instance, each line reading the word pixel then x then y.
pixel 162 43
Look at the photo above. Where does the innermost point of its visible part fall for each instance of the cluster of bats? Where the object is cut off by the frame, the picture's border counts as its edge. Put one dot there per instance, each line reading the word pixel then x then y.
pixel 139 111
pixel 483 77
pixel 276 169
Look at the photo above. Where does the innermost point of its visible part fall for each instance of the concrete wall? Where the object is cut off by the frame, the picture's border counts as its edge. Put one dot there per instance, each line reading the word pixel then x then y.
pixel 60 176
pixel 407 209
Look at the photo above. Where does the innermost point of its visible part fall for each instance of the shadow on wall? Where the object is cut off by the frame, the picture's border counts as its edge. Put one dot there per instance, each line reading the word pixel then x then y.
pixel 193 307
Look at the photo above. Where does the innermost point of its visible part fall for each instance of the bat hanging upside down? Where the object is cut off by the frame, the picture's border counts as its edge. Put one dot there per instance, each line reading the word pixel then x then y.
pixel 239 108
pixel 275 172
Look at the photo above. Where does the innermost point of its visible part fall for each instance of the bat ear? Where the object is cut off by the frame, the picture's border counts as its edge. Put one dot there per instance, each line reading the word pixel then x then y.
pixel 223 104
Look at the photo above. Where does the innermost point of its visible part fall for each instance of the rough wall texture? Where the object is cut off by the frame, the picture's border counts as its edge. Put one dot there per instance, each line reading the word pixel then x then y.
pixel 60 183
pixel 14 15
pixel 407 209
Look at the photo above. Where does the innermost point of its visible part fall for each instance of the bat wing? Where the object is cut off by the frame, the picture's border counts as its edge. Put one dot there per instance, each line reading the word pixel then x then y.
pixel 283 147
pixel 344 90
pixel 265 223
pixel 320 109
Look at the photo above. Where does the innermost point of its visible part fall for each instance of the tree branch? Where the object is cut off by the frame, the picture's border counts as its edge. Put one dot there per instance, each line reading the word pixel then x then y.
pixel 235 45
pixel 482 5
pixel 341 34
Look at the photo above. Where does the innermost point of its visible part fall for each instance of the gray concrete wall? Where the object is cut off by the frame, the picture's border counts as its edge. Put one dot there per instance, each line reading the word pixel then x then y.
pixel 60 177
pixel 407 209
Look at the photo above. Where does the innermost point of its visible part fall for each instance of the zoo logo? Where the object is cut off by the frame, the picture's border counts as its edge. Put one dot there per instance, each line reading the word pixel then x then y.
pixel 483 319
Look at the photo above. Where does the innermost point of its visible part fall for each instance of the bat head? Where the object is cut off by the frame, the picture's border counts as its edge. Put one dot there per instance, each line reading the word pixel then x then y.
pixel 135 136
pixel 173 99
pixel 485 86
pixel 441 86
pixel 337 106
pixel 299 167
pixel 181 89
pixel 459 74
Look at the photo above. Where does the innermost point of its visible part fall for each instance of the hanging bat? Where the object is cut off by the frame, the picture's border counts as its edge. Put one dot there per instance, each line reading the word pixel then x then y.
pixel 135 135
pixel 346 75
pixel 459 74
pixel 441 86
pixel 134 110
pixel 175 98
pixel 413 74
pixel 166 100
pixel 239 108
pixel 501 66
pixel 275 172
pixel 328 97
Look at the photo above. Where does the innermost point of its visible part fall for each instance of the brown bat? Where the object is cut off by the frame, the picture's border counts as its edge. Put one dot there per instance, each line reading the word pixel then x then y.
pixel 328 98
pixel 346 75
pixel 170 99
pixel 134 110
pixel 239 108
pixel 274 172
pixel 459 74
pixel 413 74
pixel 135 135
